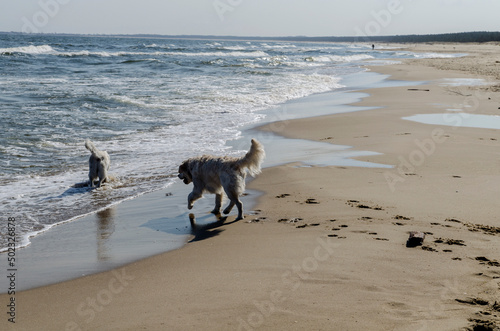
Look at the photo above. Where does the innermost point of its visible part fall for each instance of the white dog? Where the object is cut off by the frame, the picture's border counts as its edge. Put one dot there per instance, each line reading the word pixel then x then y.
pixel 98 164
pixel 221 174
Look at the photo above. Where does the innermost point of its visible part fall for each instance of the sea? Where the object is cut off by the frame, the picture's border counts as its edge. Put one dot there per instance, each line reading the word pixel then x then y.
pixel 149 102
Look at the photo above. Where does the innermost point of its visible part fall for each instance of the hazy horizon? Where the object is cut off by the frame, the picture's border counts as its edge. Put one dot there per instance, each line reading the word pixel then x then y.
pixel 240 18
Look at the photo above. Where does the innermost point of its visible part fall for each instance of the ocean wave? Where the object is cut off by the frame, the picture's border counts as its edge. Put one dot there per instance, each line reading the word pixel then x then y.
pixel 158 53
pixel 232 48
pixel 42 49
pixel 46 49
pixel 224 54
pixel 135 102
pixel 142 60
pixel 278 46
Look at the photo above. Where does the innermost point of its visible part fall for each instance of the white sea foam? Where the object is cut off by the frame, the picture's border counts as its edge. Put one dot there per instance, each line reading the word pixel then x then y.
pixel 339 58
pixel 31 49
pixel 436 55
pixel 158 53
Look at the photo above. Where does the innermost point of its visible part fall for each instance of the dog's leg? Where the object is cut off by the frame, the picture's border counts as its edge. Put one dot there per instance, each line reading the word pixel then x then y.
pixel 233 197
pixel 101 172
pixel 101 181
pixel 218 203
pixel 193 196
pixel 239 205
pixel 229 208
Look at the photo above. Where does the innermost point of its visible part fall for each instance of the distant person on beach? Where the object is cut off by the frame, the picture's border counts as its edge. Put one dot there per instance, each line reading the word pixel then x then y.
pixel 373 46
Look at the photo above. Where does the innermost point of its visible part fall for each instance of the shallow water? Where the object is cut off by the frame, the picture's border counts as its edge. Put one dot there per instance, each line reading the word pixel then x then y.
pixel 458 119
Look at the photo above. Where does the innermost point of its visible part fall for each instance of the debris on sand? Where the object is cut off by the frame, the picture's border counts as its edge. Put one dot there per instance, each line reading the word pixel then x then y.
pixel 415 239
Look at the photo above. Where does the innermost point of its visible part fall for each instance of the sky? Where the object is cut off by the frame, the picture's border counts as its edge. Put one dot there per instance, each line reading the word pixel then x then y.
pixel 250 17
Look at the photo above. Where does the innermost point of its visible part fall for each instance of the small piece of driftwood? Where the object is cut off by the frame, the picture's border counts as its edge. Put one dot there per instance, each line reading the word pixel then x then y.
pixel 416 238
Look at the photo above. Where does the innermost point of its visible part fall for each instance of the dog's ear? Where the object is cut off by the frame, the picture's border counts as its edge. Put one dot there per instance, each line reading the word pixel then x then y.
pixel 183 167
pixel 185 172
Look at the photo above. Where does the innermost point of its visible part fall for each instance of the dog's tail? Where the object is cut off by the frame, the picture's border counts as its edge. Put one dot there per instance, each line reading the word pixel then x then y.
pixel 253 159
pixel 90 146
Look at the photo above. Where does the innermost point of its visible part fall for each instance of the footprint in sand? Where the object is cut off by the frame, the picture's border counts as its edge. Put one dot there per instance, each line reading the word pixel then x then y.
pixel 257 220
pixel 484 260
pixel 356 203
pixel 485 228
pixel 306 225
pixel 292 220
pixel 450 241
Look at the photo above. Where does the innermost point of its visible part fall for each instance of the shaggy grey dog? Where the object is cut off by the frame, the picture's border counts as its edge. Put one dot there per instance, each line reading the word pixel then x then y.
pixel 221 174
pixel 98 164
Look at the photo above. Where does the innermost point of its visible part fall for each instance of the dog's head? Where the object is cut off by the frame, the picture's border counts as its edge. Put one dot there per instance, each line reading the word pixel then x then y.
pixel 184 173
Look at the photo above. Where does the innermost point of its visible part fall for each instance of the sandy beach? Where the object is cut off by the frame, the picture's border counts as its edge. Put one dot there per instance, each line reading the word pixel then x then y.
pixel 326 246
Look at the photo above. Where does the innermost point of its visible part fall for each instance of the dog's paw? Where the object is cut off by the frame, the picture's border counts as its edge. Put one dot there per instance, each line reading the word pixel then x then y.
pixel 190 206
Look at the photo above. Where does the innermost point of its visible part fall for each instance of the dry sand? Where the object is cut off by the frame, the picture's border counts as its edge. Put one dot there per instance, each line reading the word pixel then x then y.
pixel 327 250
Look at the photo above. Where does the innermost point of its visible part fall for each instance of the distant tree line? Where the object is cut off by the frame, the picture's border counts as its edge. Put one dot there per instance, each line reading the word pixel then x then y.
pixel 463 37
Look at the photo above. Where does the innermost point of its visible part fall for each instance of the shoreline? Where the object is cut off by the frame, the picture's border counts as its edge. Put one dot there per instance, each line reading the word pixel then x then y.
pixel 48 259
pixel 303 273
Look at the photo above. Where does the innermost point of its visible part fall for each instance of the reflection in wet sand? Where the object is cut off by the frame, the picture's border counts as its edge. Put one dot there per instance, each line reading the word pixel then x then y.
pixel 105 227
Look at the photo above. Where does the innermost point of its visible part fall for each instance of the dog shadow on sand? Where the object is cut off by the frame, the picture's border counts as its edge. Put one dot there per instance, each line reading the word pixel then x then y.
pixel 208 226
pixel 209 230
